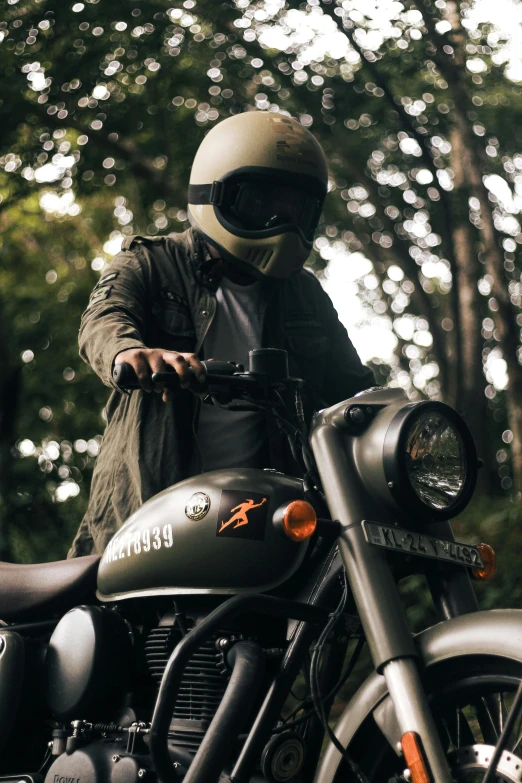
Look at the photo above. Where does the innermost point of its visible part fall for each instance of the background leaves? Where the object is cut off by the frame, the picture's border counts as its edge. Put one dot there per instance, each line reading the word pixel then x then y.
pixel 417 107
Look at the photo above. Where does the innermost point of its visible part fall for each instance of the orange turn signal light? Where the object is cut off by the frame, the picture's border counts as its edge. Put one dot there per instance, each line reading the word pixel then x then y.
pixel 414 757
pixel 490 564
pixel 299 520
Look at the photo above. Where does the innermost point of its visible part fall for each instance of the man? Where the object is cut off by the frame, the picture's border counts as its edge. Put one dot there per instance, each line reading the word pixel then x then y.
pixel 233 282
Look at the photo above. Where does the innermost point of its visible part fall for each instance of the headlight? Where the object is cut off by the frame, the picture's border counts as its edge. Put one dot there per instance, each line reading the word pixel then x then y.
pixel 430 460
pixel 435 460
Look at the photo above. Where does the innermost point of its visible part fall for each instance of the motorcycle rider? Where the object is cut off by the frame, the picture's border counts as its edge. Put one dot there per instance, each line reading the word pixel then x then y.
pixel 232 282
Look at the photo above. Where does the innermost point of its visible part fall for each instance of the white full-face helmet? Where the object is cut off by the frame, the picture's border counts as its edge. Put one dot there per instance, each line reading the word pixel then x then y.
pixel 256 191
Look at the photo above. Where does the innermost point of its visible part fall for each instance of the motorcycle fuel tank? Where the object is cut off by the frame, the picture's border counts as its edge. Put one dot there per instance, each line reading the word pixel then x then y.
pixel 212 533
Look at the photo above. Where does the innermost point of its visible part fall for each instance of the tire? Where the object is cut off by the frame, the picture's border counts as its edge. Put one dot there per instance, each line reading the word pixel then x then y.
pixel 470 698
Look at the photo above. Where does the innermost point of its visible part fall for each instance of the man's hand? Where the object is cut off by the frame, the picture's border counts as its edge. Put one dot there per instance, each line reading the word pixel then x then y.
pixel 145 361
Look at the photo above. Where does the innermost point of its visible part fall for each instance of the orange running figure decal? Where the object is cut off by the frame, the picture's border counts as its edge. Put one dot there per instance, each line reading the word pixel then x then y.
pixel 240 517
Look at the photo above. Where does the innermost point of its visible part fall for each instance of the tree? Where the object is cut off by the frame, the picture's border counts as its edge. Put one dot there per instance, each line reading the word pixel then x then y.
pixel 460 225
pixel 107 105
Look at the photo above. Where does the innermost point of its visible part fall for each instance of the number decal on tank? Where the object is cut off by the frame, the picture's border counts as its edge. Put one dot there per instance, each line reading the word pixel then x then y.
pixel 138 542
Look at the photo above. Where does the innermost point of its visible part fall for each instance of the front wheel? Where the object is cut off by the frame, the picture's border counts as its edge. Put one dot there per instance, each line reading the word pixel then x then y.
pixel 470 698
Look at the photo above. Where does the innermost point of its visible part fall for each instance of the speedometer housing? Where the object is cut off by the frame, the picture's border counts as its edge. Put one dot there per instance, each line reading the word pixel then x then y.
pixel 430 461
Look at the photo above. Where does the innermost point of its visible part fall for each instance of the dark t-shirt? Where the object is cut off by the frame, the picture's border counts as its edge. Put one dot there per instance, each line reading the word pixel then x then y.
pixel 232 439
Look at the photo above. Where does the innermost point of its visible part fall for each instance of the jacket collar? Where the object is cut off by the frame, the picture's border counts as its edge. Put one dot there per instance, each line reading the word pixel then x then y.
pixel 204 264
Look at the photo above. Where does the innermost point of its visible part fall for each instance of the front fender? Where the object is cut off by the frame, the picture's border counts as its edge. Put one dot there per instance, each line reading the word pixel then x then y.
pixel 497 632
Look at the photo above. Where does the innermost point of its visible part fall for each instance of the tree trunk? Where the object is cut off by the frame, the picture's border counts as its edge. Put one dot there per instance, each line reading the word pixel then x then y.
pixel 473 402
pixel 446 345
pixel 451 64
pixel 398 254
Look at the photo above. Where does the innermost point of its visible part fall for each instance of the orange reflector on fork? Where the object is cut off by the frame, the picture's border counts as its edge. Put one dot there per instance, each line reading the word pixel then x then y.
pixel 414 757
pixel 490 563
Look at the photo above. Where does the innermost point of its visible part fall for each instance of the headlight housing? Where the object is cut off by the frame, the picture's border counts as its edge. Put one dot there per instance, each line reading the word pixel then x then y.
pixel 430 461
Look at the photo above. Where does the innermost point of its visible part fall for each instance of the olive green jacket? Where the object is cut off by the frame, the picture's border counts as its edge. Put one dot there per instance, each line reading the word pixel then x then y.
pixel 160 293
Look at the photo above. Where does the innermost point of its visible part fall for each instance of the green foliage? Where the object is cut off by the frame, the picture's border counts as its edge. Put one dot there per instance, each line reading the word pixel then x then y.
pixel 106 105
pixel 496 522
pixel 60 401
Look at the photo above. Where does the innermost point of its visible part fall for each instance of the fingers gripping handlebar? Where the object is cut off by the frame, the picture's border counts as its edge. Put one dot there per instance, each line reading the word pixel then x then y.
pixel 268 368
pixel 221 378
pixel 125 376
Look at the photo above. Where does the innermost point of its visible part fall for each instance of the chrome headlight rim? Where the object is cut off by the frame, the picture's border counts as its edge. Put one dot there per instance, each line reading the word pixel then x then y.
pixel 395 469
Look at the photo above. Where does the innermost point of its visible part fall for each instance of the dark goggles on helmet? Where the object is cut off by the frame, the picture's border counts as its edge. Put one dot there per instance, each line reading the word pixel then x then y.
pixel 258 206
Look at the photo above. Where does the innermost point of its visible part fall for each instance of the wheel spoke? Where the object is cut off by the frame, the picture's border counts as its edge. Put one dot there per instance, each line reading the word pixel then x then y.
pixel 502 711
pixel 489 731
pixel 517 734
pixel 466 736
pixel 458 729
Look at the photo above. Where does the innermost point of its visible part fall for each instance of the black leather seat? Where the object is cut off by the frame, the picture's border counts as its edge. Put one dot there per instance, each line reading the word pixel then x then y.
pixel 37 591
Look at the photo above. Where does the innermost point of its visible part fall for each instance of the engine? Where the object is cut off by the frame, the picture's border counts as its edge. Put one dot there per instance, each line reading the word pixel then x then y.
pixel 181 555
pixel 202 689
pixel 103 674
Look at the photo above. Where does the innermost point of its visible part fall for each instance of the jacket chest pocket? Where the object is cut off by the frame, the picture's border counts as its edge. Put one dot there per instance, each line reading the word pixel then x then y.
pixel 174 325
pixel 174 319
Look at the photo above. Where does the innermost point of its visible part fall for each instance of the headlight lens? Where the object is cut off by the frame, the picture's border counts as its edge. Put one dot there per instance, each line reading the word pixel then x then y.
pixel 430 461
pixel 435 460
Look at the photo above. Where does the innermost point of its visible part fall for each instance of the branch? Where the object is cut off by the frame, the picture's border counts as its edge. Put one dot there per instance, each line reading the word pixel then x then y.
pixel 420 301
pixel 125 148
pixel 346 27
pixel 399 255
pixel 452 70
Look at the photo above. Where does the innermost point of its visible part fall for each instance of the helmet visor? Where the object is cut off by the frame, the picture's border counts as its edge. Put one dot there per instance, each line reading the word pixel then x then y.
pixel 256 205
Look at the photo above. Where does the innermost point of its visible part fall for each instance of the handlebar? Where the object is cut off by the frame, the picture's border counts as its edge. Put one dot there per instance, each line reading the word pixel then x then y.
pixel 268 371
pixel 220 375
pixel 125 376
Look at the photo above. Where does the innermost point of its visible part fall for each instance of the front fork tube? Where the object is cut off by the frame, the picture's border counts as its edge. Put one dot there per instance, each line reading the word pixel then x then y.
pixel 390 641
pixel 413 713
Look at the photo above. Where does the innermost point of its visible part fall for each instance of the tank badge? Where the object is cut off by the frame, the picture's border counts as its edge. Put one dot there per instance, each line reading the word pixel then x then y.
pixel 242 517
pixel 198 506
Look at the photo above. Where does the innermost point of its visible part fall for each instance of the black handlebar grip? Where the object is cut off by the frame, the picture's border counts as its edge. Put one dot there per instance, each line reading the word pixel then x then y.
pixel 125 377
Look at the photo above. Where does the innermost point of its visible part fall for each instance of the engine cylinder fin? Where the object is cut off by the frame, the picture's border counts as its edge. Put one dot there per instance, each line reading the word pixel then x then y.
pixel 201 690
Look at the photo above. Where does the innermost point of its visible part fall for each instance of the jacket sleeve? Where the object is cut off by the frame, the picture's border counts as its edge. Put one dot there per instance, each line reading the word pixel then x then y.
pixel 114 319
pixel 345 373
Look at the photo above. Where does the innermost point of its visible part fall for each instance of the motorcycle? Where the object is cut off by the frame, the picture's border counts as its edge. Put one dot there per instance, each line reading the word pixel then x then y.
pixel 173 657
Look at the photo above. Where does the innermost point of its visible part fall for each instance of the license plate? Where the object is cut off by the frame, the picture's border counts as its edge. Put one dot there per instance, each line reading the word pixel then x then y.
pixel 410 543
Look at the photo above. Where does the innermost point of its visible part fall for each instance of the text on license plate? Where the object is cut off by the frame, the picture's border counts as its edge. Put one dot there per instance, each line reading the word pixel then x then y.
pixel 411 543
